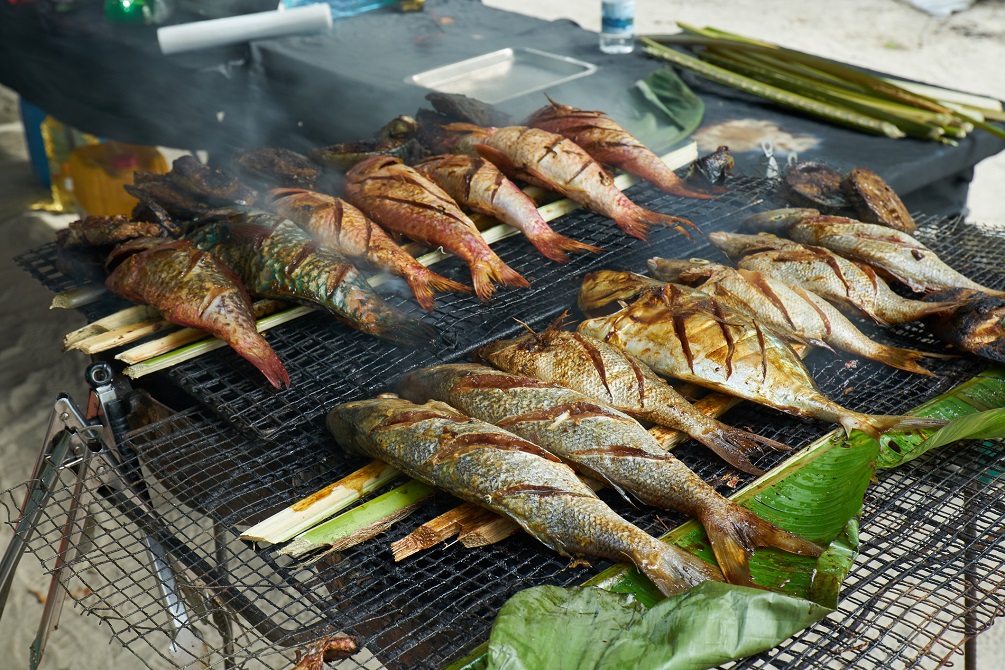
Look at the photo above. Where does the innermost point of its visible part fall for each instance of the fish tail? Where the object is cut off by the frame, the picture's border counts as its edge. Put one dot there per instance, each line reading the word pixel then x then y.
pixel 553 246
pixel 875 425
pixel 734 445
pixel 905 359
pixel 735 532
pixel 671 569
pixel 639 219
pixel 483 273
pixel 424 282
pixel 651 168
pixel 257 351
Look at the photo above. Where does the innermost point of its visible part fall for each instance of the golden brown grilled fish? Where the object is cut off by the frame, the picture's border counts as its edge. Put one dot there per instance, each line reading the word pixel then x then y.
pixel 603 443
pixel 481 187
pixel 347 230
pixel 557 164
pixel 825 273
pixel 791 311
pixel 615 378
pixel 496 469
pixel 683 333
pixel 192 288
pixel 401 199
pixel 977 326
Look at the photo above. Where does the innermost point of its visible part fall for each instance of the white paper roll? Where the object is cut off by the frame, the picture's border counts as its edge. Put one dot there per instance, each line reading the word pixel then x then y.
pixel 232 29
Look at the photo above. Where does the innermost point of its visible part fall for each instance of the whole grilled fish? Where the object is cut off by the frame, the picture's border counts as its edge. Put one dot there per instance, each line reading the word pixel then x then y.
pixel 276 259
pixel 825 273
pixel 610 144
pixel 401 199
pixel 605 444
pixel 481 187
pixel 190 287
pixel 791 311
pixel 276 167
pixel 217 187
pixel 493 468
pixel 890 251
pixel 558 164
pixel 777 221
pixel 977 326
pixel 347 230
pixel 875 201
pixel 611 376
pixel 683 333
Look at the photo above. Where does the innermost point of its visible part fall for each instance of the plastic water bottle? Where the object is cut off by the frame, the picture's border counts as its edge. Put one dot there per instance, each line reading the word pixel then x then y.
pixel 617 26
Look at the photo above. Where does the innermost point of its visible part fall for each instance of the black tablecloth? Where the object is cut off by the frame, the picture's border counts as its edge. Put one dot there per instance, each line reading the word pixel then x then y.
pixel 111 80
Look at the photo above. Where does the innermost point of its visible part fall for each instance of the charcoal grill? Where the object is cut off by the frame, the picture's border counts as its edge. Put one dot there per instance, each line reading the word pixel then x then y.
pixel 928 578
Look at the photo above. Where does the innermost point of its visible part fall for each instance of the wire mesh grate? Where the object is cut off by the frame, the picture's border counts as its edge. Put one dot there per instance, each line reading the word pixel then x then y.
pixel 927 527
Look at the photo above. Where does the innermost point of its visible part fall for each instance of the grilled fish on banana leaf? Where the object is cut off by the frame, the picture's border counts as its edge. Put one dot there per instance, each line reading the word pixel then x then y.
pixel 190 287
pixel 558 164
pixel 496 469
pixel 276 259
pixel 610 144
pixel 791 311
pixel 614 378
pixel 825 273
pixel 683 333
pixel 349 231
pixel 401 199
pixel 606 444
pixel 479 185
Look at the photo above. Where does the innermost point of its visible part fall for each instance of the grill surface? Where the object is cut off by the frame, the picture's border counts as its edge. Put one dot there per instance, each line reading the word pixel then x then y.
pixel 926 525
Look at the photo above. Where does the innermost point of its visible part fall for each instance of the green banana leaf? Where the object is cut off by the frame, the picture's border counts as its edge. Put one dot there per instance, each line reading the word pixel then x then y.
pixel 818 494
pixel 660 111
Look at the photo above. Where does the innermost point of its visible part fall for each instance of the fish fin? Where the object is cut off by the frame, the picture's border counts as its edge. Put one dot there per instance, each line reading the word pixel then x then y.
pixel 640 219
pixel 554 245
pixel 734 445
pixel 425 282
pixel 248 231
pixel 875 425
pixel 496 157
pixel 671 569
pixel 734 534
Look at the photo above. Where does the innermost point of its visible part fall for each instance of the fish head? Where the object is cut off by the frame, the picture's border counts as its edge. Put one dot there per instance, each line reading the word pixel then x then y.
pixel 354 423
pixel 690 271
pixel 977 325
pixel 777 221
pixel 735 245
pixel 604 287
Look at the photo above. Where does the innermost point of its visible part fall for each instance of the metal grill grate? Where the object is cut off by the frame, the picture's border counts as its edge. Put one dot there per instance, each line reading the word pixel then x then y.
pixel 211 475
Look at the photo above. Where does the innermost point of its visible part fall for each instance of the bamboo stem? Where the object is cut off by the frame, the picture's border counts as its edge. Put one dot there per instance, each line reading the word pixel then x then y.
pixel 126 317
pixel 315 508
pixel 440 529
pixel 78 297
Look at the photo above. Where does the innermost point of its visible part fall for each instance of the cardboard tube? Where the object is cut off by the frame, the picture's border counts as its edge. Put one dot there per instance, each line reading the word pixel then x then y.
pixel 233 29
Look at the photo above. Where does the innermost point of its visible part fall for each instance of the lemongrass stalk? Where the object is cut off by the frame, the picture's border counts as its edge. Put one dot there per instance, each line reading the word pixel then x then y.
pixel 77 297
pixel 315 508
pixel 775 94
pixel 363 522
pixel 120 319
pixel 948 96
pixel 439 529
pixel 120 336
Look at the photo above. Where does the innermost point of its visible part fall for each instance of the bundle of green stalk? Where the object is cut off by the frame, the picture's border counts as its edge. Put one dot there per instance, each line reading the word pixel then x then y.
pixel 835 92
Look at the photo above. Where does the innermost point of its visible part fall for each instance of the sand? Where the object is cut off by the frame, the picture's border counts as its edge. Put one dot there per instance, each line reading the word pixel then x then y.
pixel 964 51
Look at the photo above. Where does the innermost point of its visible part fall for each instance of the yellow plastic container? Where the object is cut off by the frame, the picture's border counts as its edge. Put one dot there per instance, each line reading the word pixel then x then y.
pixel 59 141
pixel 100 171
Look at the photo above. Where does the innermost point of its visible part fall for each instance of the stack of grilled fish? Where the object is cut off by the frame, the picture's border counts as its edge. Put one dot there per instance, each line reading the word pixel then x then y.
pixel 303 248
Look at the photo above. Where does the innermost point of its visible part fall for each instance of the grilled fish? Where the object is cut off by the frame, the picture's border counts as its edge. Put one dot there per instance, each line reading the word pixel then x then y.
pixel 557 164
pixel 216 187
pixel 892 252
pixel 875 201
pixel 493 468
pixel 683 333
pixel 977 326
pixel 612 377
pixel 96 231
pixel 610 144
pixel 277 167
pixel 825 273
pixel 276 259
pixel 791 311
pixel 190 287
pixel 481 187
pixel 605 444
pixel 401 199
pixel 339 225
pixel 777 221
